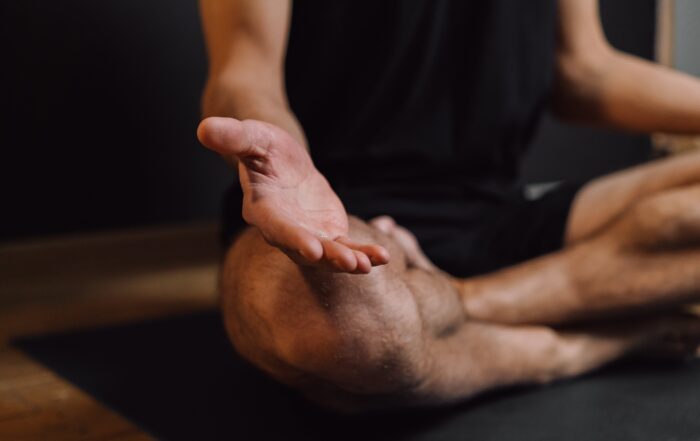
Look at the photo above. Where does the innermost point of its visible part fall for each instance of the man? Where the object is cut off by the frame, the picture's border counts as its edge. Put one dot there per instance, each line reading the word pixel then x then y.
pixel 421 110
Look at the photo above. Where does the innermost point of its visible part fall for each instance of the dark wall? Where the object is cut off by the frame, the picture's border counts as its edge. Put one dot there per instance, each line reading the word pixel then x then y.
pixel 99 110
pixel 100 100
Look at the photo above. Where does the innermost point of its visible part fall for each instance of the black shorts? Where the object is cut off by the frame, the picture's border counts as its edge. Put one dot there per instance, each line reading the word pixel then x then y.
pixel 460 236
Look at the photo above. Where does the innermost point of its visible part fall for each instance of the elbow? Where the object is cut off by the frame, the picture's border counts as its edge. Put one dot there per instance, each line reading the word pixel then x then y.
pixel 578 93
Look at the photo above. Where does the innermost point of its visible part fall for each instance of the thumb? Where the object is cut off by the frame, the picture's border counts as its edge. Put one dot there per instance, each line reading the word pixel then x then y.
pixel 229 136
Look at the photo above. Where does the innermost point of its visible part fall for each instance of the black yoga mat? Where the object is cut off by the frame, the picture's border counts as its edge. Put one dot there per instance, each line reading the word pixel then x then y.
pixel 179 379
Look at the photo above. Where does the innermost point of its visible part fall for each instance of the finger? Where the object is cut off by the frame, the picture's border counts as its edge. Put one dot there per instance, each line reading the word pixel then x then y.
pixel 409 241
pixel 406 236
pixel 385 224
pixel 298 258
pixel 229 136
pixel 342 257
pixel 364 266
pixel 378 255
pixel 296 239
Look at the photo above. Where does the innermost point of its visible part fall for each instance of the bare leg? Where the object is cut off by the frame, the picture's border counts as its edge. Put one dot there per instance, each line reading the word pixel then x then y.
pixel 398 336
pixel 661 225
pixel 605 199
pixel 302 301
pixel 647 258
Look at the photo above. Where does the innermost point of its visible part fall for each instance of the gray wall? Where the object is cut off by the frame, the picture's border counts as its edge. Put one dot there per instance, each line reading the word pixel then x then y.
pixel 100 100
pixel 687 36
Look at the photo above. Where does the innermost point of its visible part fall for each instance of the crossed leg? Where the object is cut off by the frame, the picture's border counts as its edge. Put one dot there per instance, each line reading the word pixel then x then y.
pixel 399 335
pixel 407 334
pixel 632 246
pixel 605 199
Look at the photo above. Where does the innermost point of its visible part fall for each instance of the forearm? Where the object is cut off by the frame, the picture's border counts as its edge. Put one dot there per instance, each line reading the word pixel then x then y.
pixel 246 44
pixel 247 101
pixel 621 91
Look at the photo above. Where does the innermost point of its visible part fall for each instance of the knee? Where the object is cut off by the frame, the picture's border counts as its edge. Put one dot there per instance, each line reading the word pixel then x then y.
pixel 278 323
pixel 640 223
pixel 663 220
pixel 343 366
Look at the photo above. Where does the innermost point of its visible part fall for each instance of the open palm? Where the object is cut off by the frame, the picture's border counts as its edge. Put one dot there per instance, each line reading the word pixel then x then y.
pixel 286 198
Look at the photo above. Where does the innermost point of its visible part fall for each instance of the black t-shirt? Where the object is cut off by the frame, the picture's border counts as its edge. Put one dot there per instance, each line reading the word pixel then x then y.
pixel 414 91
pixel 419 108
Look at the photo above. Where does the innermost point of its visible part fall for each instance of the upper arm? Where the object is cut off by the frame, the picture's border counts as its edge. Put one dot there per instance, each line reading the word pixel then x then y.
pixel 581 58
pixel 580 31
pixel 246 41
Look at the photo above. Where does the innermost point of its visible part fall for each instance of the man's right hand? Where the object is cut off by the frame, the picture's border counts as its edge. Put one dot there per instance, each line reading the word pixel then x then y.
pixel 286 198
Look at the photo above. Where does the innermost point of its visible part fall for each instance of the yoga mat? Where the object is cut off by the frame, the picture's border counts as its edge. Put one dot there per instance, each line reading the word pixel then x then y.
pixel 179 379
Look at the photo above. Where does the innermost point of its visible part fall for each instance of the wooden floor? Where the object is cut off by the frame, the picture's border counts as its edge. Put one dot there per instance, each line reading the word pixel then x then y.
pixel 83 281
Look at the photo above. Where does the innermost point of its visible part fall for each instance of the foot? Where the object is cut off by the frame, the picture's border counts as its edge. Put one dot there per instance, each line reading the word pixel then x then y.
pixel 537 354
pixel 675 336
pixel 286 198
pixel 671 336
